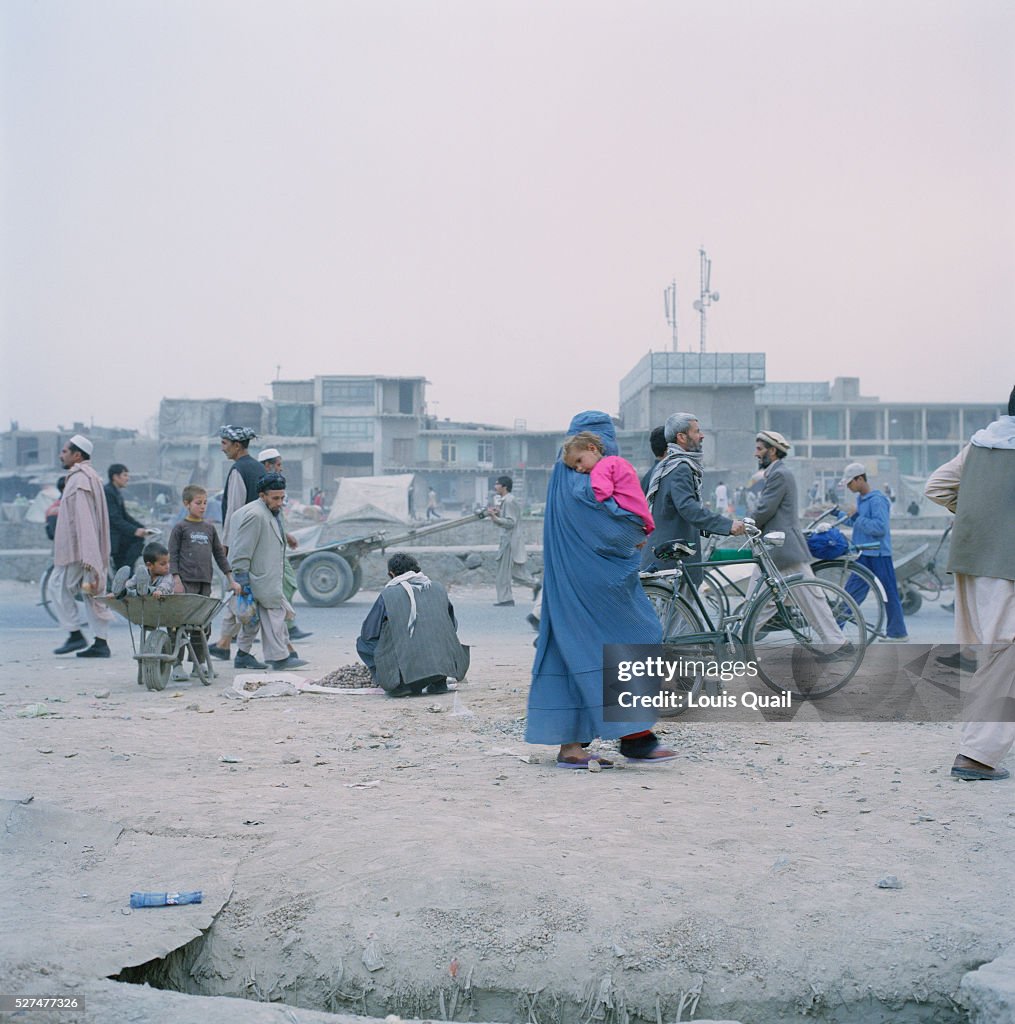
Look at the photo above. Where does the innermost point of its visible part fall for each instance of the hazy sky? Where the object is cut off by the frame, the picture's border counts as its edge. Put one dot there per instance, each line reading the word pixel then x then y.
pixel 495 194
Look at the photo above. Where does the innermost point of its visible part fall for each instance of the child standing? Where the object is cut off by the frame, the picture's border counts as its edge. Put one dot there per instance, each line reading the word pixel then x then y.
pixel 610 475
pixel 193 545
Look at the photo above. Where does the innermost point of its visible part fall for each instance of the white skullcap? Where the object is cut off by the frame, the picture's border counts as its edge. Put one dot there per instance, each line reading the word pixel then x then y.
pixel 82 442
pixel 268 453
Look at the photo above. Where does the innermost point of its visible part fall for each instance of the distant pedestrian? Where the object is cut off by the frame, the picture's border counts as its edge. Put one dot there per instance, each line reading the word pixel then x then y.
pixel 126 534
pixel 81 552
pixel 657 443
pixel 431 505
pixel 511 554
pixel 722 498
pixel 870 522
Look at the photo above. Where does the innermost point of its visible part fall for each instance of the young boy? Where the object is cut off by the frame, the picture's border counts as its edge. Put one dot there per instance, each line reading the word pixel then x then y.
pixel 610 475
pixel 193 544
pixel 151 578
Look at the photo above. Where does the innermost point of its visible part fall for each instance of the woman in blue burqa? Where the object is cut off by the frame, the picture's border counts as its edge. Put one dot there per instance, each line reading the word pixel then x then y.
pixel 591 597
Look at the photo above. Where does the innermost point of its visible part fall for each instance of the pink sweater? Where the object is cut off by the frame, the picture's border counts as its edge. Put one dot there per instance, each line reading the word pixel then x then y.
pixel 614 477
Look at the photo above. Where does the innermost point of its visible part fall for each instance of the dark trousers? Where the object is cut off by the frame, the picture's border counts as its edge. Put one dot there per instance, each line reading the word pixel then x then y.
pixel 882 567
pixel 126 551
pixel 198 637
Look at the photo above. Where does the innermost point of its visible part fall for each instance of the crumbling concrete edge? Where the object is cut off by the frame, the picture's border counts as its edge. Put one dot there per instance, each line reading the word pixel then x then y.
pixel 988 993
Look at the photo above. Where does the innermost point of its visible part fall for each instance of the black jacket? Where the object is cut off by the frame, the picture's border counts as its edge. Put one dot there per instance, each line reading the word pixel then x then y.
pixel 121 525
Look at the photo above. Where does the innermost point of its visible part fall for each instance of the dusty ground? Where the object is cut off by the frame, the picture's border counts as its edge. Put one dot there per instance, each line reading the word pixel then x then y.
pixel 356 832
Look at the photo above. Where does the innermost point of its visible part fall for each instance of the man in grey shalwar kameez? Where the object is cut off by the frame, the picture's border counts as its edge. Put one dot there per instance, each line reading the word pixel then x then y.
pixel 409 640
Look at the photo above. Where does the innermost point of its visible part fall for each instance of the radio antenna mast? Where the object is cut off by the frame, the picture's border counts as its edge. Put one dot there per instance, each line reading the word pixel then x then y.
pixel 670 300
pixel 707 296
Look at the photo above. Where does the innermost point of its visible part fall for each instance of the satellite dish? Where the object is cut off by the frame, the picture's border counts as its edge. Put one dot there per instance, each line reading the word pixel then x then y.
pixel 715 296
pixel 697 305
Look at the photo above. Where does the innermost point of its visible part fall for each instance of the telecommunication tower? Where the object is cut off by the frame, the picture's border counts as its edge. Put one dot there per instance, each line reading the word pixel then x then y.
pixel 706 296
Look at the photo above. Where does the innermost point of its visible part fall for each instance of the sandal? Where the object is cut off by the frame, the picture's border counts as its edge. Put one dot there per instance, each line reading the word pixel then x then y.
pixel 583 762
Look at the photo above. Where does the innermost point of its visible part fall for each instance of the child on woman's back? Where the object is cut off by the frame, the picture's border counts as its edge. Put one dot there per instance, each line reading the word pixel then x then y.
pixel 610 475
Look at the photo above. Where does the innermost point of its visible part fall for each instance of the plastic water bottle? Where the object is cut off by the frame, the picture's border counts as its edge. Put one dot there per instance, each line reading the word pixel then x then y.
pixel 164 899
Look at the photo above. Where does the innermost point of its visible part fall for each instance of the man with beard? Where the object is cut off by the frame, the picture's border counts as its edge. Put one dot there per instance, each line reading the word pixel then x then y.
pixel 81 552
pixel 674 495
pixel 257 555
pixel 777 510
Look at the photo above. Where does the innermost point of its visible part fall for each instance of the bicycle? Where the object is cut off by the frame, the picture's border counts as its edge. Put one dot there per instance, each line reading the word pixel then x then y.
pixel 220 586
pixel 841 569
pixel 778 626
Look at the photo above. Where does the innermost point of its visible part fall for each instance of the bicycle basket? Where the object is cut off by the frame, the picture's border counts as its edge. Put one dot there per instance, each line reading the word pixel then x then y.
pixel 830 544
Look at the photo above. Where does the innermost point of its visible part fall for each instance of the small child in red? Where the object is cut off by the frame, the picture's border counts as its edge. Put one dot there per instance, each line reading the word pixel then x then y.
pixel 610 475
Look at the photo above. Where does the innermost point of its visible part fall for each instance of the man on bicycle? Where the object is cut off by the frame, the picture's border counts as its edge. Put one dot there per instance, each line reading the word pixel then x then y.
pixel 674 495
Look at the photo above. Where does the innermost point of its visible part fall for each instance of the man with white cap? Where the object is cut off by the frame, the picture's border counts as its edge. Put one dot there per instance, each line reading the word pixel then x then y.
pixel 978 485
pixel 870 522
pixel 271 460
pixel 81 552
pixel 777 511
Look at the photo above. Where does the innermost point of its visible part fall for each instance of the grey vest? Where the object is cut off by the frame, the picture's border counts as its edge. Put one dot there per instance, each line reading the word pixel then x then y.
pixel 983 540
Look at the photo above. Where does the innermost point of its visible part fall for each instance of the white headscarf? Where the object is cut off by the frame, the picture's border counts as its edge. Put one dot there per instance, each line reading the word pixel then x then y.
pixel 408 581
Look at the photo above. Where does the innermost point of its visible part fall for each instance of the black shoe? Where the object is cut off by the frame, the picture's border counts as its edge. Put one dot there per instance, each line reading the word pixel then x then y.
pixel 438 687
pixel 295 633
pixel 75 642
pixel 957 661
pixel 244 659
pixel 99 649
pixel 286 663
pixel 532 621
pixel 222 653
pixel 847 650
pixel 402 690
pixel 503 604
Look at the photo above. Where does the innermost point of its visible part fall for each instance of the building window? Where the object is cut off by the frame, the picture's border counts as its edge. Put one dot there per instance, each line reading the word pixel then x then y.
pixel 826 425
pixel 904 425
pixel 347 392
pixel 449 451
pixel 865 423
pixel 294 420
pixel 348 428
pixel 942 424
pixel 484 453
pixel 791 423
pixel 401 450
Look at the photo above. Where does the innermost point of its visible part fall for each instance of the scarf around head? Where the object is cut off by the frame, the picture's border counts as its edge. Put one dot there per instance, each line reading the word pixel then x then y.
pixel 999 434
pixel 674 456
pixel 408 581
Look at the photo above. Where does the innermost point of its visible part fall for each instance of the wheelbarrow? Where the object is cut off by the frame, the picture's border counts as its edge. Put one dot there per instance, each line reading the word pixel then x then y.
pixel 165 624
pixel 917 575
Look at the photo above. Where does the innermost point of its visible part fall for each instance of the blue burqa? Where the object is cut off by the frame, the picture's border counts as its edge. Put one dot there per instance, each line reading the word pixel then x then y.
pixel 591 597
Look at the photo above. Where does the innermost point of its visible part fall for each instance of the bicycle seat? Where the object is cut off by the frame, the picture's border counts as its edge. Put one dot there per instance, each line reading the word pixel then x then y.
pixel 673 549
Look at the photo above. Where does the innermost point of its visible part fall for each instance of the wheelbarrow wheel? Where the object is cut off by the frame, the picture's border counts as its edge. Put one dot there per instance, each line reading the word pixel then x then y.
pixel 154 671
pixel 911 600
pixel 325 579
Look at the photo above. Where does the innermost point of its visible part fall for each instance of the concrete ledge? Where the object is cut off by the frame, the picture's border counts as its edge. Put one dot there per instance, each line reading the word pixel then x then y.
pixel 989 992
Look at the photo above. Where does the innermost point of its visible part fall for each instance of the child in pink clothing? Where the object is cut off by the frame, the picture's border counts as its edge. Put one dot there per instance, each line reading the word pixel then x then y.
pixel 610 475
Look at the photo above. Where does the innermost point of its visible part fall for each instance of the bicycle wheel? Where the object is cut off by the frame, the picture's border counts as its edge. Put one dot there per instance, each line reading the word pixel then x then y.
pixel 790 636
pixel 872 607
pixel 713 592
pixel 45 599
pixel 675 615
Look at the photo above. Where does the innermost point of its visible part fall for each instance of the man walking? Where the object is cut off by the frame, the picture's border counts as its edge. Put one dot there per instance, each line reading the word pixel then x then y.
pixel 126 534
pixel 777 510
pixel 81 552
pixel 257 555
pixel 511 556
pixel 674 495
pixel 978 485
pixel 870 522
pixel 271 462
pixel 240 490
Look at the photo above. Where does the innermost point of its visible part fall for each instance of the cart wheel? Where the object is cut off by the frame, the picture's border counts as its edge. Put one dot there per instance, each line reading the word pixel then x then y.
pixel 357 579
pixel 912 602
pixel 155 671
pixel 325 579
